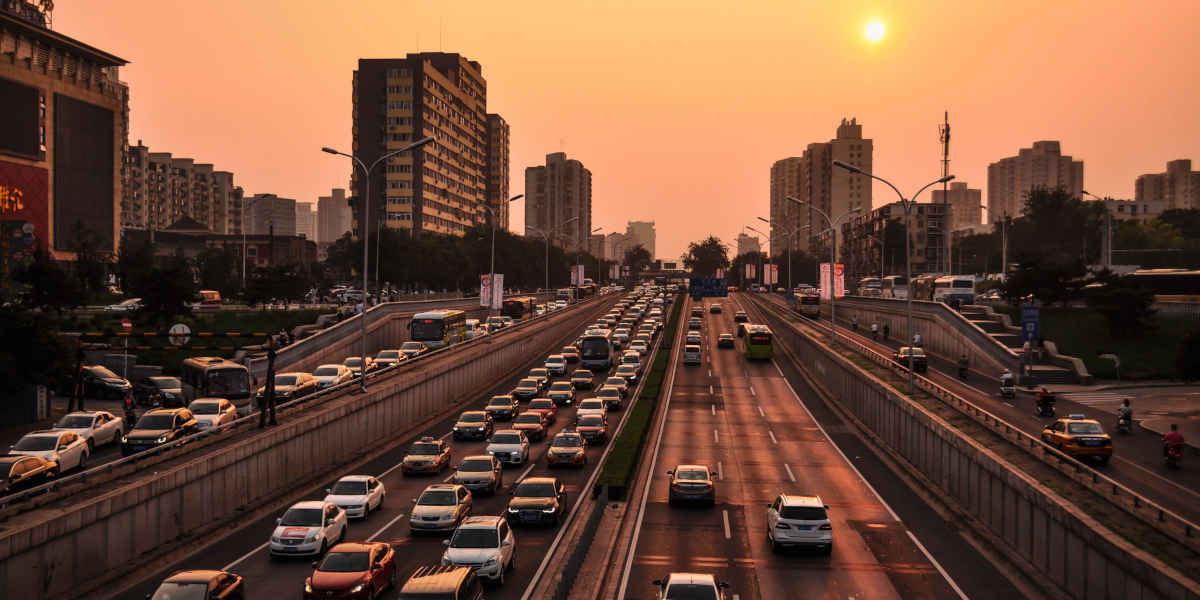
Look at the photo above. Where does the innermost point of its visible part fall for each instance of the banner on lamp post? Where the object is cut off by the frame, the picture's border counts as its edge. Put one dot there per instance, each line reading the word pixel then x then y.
pixel 485 290
pixel 839 280
pixel 825 284
pixel 498 291
pixel 749 271
pixel 773 274
pixel 614 272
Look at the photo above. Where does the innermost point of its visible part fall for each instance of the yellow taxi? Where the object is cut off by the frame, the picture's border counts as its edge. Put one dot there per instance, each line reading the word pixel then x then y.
pixel 1079 438
pixel 427 455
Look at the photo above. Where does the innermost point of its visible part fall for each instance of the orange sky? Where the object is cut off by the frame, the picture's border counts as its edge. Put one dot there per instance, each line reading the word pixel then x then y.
pixel 678 109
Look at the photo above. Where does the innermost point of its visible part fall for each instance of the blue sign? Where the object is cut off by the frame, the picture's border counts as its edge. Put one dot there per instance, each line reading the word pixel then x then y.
pixel 707 287
pixel 1030 323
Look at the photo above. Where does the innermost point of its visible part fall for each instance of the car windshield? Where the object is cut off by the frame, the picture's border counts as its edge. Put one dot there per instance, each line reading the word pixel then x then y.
pixel 181 591
pixel 227 383
pixel 803 513
pixel 302 517
pixel 411 346
pixel 345 562
pixel 525 384
pixel 437 498
pixel 471 418
pixel 286 379
pixel 535 490
pixel 528 419
pixel 691 475
pixel 349 488
pixel 569 350
pixel 352 362
pixel 614 381
pixel 423 449
pixel 506 438
pixel 37 443
pixel 541 405
pixel 500 401
pixel 554 359
pixel 690 591
pixel 538 372
pixel 388 354
pixel 326 371
pixel 560 386
pixel 581 375
pixel 74 422
pixel 608 392
pixel 590 421
pixel 567 441
pixel 1093 428
pixel 626 369
pixel 475 465
pixel 166 383
pixel 205 408
pixel 591 403
pixel 155 422
pixel 475 538
pixel 596 347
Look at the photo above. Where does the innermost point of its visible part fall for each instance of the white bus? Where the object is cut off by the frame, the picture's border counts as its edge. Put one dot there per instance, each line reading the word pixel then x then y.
pixel 955 290
pixel 438 328
pixel 895 286
pixel 870 286
pixel 596 350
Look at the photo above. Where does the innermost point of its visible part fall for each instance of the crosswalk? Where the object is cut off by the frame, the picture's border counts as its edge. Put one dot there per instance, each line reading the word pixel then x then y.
pixel 1100 400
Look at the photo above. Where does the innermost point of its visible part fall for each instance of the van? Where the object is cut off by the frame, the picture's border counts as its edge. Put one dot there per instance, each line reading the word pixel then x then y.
pixel 442 583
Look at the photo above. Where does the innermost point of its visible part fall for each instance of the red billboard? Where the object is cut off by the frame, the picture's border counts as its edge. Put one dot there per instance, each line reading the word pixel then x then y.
pixel 24 216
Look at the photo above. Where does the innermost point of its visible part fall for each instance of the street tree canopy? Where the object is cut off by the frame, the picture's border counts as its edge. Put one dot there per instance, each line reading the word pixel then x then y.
pixel 703 258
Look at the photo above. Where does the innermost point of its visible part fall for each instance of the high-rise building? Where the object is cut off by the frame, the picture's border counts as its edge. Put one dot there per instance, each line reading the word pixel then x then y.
pixel 812 178
pixel 965 208
pixel 333 216
pixel 1042 166
pixel 596 245
pixel 642 232
pixel 556 193
pixel 159 189
pixel 63 130
pixel 1178 187
pixel 270 214
pixel 441 186
pixel 747 243
pixel 497 169
pixel 859 240
pixel 615 245
pixel 306 221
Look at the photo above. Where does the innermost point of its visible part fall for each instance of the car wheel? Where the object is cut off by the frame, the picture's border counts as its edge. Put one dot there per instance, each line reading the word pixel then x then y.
pixel 512 561
pixel 342 535
pixel 500 578
pixel 394 580
pixel 324 546
pixel 91 444
pixel 829 549
pixel 83 458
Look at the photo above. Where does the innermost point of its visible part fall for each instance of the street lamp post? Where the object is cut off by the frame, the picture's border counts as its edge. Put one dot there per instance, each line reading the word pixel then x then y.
pixel 1108 244
pixel 907 204
pixel 762 276
pixel 599 258
pixel 880 242
pixel 366 231
pixel 547 233
pixel 833 225
pixel 492 267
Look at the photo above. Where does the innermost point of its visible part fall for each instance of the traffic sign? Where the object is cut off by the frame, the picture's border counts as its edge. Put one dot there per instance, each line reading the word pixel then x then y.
pixel 1030 323
pixel 127 325
pixel 179 334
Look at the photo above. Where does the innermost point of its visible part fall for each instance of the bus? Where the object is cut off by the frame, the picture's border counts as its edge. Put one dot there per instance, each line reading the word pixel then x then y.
pixel 208 299
pixel 438 328
pixel 214 377
pixel 955 290
pixel 518 307
pixel 565 294
pixel 596 350
pixel 810 306
pixel 895 286
pixel 760 342
pixel 921 287
pixel 870 286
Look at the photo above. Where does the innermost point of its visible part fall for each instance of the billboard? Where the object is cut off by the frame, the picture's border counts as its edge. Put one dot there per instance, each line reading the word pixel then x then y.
pixel 20 119
pixel 84 163
pixel 498 291
pixel 23 217
pixel 839 284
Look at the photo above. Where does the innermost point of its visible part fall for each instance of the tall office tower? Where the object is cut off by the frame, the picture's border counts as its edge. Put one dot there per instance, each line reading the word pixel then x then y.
pixel 497 169
pixel 333 216
pixel 1042 166
pixel 306 221
pixel 556 193
pixel 642 233
pixel 442 186
pixel 268 213
pixel 1177 187
pixel 965 209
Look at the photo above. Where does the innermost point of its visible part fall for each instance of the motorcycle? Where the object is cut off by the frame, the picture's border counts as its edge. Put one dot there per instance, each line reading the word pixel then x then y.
pixel 1174 454
pixel 962 373
pixel 1008 388
pixel 1044 406
pixel 1124 424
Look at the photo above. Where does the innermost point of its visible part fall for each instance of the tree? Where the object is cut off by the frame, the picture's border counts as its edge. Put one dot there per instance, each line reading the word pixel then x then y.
pixel 50 286
pixel 1187 362
pixel 1125 306
pixel 1150 235
pixel 135 264
pixel 804 267
pixel 217 267
pixel 1057 229
pixel 1049 282
pixel 1185 220
pixel 31 353
pixel 91 260
pixel 737 267
pixel 705 257
pixel 637 259
pixel 168 288
pixel 286 282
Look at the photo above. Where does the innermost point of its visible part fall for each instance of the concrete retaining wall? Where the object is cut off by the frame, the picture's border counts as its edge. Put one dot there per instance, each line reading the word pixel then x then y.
pixel 1057 540
pixel 65 553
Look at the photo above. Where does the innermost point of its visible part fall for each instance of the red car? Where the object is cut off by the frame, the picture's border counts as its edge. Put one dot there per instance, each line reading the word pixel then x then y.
pixel 353 570
pixel 545 406
pixel 533 423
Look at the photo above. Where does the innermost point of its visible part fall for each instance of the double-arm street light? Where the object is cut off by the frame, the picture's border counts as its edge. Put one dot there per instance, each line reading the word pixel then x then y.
pixel 833 223
pixel 790 235
pixel 547 233
pixel 762 277
pixel 366 231
pixel 599 258
pixel 906 203
pixel 492 268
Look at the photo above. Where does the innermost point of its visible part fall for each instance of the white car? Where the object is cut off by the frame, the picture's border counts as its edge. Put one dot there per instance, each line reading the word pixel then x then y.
pixel 592 406
pixel 358 495
pixel 65 448
pixel 441 507
pixel 694 586
pixel 486 544
pixel 212 412
pixel 509 446
pixel 330 375
pixel 556 364
pixel 96 427
pixel 308 528
pixel 794 520
pixel 125 305
pixel 640 347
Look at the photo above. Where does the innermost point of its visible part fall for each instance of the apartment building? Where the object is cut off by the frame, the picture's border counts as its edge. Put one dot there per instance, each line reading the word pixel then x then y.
pixel 497 170
pixel 747 243
pixel 268 214
pixel 965 204
pixel 1042 166
pixel 159 189
pixel 1177 187
pixel 306 221
pixel 556 193
pixel 642 232
pixel 861 238
pixel 333 216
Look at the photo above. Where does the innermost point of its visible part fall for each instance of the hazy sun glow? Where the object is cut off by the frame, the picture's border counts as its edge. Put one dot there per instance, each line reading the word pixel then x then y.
pixel 875 31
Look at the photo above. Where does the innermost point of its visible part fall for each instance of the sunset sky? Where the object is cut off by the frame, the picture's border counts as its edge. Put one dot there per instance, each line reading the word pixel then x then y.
pixel 679 109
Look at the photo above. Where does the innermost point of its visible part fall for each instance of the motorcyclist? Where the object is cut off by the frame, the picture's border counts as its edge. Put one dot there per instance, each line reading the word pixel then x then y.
pixel 1172 439
pixel 874 331
pixel 854 323
pixel 916 340
pixel 1006 378
pixel 886 329
pixel 1125 412
pixel 1045 398
pixel 963 364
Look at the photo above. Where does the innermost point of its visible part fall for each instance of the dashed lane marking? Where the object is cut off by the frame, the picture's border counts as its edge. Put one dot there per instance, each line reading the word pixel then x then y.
pixel 725 517
pixel 789 472
pixel 772 434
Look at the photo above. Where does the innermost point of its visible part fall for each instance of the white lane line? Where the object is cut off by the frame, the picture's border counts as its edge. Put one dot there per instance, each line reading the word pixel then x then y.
pixel 710 372
pixel 230 566
pixel 761 413
pixel 447 479
pixel 716 438
pixel 1009 404
pixel 385 527
pixel 791 476
pixel 720 471
pixel 772 434
pixel 710 389
pixel 714 409
pixel 725 516
pixel 752 391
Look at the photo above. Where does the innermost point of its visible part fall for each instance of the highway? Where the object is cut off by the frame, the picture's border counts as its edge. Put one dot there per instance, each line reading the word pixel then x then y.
pixel 748 423
pixel 242 549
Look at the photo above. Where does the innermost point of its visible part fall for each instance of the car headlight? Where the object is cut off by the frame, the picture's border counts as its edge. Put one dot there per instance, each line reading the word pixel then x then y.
pixel 310 538
pixel 491 451
pixel 307 587
pixel 124 439
pixel 275 539
pixel 356 589
pixel 445 561
pixel 162 439
pixel 456 428
pixel 489 562
pixel 549 510
pixel 513 510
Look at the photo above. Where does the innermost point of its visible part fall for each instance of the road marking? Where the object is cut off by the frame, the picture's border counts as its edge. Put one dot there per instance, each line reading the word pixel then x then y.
pixel 752 391
pixel 710 372
pixel 772 434
pixel 714 409
pixel 230 566
pixel 725 516
pixel 710 389
pixel 447 480
pixel 1010 404
pixel 720 471
pixel 716 438
pixel 761 413
pixel 789 472
pixel 385 527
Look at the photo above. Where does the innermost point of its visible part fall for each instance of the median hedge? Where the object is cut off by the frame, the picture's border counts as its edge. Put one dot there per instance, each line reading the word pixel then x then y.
pixel 627 447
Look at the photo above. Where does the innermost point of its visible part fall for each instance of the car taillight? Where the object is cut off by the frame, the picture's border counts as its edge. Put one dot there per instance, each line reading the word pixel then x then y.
pixel 826 527
pixel 782 525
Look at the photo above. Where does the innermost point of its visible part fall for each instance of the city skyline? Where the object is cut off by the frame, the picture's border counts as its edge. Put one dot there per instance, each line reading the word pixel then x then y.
pixel 647 146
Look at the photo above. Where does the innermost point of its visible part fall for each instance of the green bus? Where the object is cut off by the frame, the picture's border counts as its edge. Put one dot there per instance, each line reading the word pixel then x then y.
pixel 760 342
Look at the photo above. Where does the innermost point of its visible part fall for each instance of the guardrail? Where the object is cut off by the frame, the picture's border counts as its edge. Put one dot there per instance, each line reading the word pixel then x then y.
pixel 204 438
pixel 1155 515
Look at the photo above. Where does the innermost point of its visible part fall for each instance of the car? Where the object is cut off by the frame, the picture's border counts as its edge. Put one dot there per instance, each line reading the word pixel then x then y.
pixel 495 323
pixel 562 393
pixel 714 309
pixel 533 424
pixel 690 586
pixel 358 495
pixel 582 379
pixel 691 354
pixel 331 375
pixel 920 362
pixel 509 446
pixel 611 396
pixel 618 382
pixel 436 581
pixel 568 448
pixel 291 385
pixel 694 324
pixel 441 507
pixel 527 389
pixel 692 483
pixel 570 354
pixel 308 528
pixel 473 425
pixel 426 455
pixel 591 406
pixel 156 391
pixel 388 358
pixel 101 383
pixel 127 305
pixel 538 500
pixel 621 335
pixel 556 364
pixel 502 407
pixel 353 570
pixel 741 329
pixel 726 340
pixel 212 412
pixel 632 357
pixel 19 472
pixel 157 427
pixel 640 346
pixel 593 428
pixel 480 473
pixel 740 317
pixel 545 406
pixel 200 584
pixel 508 321
pixel 1079 438
pixel 629 372
pixel 353 363
pixel 693 337
pixel 96 427
pixel 413 349
pixel 799 520
pixel 485 544
pixel 697 312
pixel 541 374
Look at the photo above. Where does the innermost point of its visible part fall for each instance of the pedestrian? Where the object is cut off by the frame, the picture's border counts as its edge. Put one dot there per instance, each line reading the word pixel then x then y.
pixel 886 329
pixel 874 330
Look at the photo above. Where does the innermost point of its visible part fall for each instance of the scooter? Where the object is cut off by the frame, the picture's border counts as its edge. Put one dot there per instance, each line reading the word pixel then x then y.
pixel 962 373
pixel 1008 391
pixel 1124 424
pixel 1044 407
pixel 1173 455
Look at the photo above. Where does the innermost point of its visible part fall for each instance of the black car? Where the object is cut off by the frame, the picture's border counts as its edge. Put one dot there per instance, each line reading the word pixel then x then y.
pixel 715 309
pixel 474 425
pixel 218 585
pixel 740 317
pixel 527 389
pixel 289 386
pixel 166 392
pixel 158 427
pixel 100 383
pixel 20 472
pixel 725 340
pixel 538 500
pixel 920 362
pixel 502 408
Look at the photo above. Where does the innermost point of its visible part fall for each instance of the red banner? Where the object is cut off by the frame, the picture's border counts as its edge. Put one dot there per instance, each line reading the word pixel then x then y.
pixel 24 216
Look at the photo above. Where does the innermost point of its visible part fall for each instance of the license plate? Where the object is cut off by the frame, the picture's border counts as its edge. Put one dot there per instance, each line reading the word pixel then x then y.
pixel 290 549
pixel 804 527
pixel 529 516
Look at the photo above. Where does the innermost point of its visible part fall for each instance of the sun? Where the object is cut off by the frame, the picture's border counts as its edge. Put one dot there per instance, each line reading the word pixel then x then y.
pixel 875 31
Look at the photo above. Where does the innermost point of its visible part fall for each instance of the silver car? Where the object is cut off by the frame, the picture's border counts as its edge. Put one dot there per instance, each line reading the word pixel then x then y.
pixel 480 473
